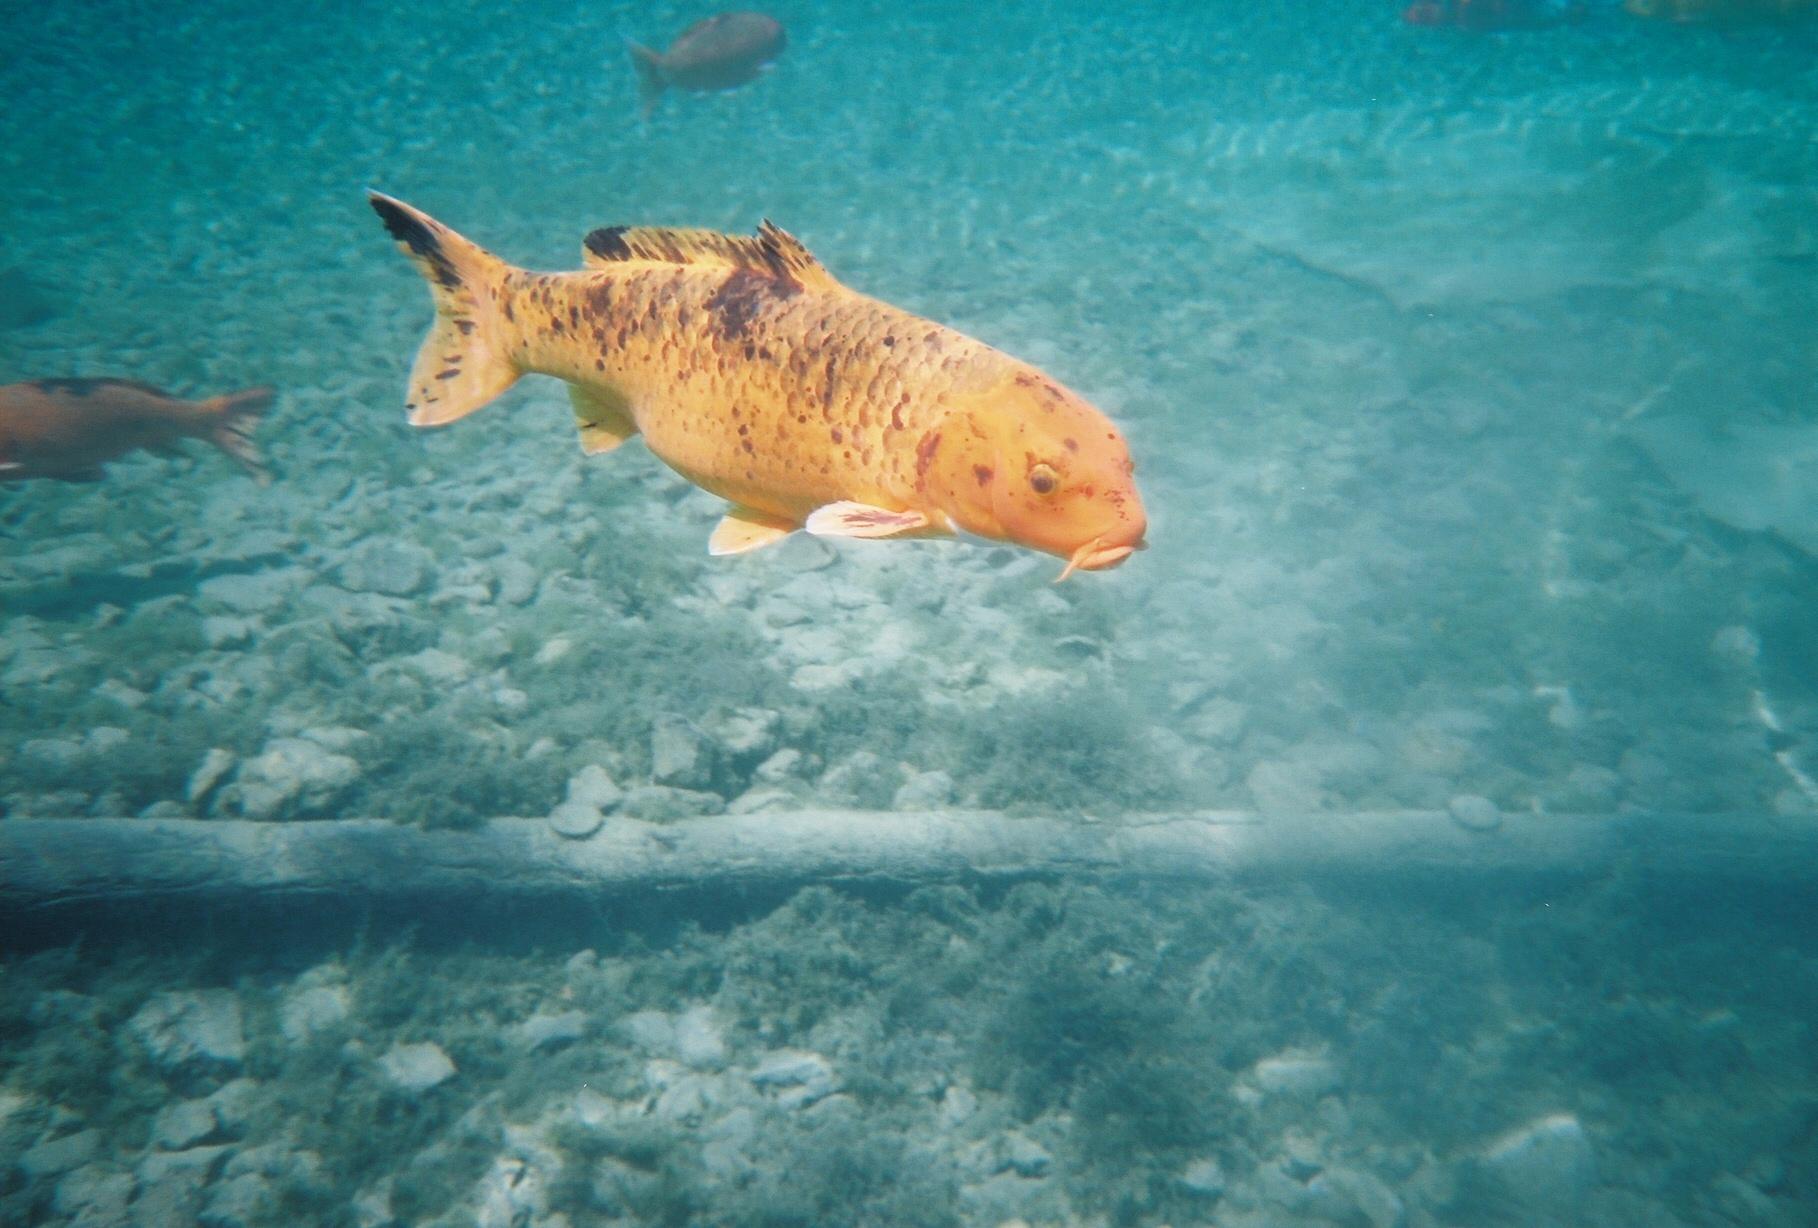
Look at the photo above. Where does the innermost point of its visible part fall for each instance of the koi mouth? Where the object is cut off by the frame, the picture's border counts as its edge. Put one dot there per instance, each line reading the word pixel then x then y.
pixel 1096 556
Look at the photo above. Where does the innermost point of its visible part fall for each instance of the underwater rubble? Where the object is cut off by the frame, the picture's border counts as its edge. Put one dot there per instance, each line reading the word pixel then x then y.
pixel 1051 1054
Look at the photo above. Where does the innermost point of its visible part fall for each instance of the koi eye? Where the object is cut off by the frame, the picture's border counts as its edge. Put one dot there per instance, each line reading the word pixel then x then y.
pixel 1043 480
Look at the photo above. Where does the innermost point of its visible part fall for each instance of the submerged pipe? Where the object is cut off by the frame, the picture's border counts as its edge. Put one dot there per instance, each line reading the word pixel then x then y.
pixel 48 863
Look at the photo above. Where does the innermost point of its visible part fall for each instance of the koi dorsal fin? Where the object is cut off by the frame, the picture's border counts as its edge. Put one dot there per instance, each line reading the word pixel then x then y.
pixel 772 251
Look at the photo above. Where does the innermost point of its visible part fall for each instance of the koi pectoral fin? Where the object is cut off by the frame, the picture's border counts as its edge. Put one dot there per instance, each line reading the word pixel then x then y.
pixel 603 418
pixel 746 528
pixel 849 519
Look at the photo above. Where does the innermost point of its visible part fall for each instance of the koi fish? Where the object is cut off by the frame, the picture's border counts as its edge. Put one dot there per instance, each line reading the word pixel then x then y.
pixel 1490 15
pixel 69 429
pixel 715 53
pixel 1721 11
pixel 753 373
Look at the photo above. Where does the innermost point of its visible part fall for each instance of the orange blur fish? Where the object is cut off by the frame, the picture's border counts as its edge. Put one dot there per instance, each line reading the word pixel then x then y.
pixel 69 429
pixel 754 374
pixel 715 53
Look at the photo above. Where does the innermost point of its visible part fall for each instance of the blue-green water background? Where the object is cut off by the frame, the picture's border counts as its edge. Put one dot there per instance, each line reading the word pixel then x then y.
pixel 1473 382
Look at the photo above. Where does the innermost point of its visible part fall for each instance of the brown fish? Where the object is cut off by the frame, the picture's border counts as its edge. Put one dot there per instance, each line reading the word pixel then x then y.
pixel 715 53
pixel 68 429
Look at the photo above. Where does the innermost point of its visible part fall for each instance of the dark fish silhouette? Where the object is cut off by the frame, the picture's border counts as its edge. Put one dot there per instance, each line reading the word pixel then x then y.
pixel 69 429
pixel 1721 11
pixel 715 53
pixel 1490 15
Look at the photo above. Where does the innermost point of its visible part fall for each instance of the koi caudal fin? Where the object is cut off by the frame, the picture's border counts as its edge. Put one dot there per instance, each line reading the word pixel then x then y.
pixel 464 362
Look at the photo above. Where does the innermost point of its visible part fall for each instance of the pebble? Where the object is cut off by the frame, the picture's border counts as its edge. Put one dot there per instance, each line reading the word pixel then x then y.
pixel 171 1203
pixel 1547 1162
pixel 253 592
pixel 166 809
pixel 762 800
pixel 1348 1196
pixel 517 580
pixel 394 568
pixel 680 754
pixel 698 1042
pixel 310 1010
pixel 1204 1177
pixel 1474 813
pixel 215 764
pixel 237 1202
pixel 416 1068
pixel 544 1031
pixel 817 679
pixel 1284 787
pixel 434 665
pixel 723 1144
pixel 51 752
pixel 191 1030
pixel 184 1124
pixel 60 1155
pixel 574 820
pixel 958 1104
pixel 688 1098
pixel 593 786
pixel 862 779
pixel 781 767
pixel 652 1031
pixel 197 1164
pixel 289 775
pixel 1022 1155
pixel 662 804
pixel 1217 721
pixel 553 650
pixel 1301 1075
pixel 798 1077
pixel 924 791
pixel 234 1105
pixel 93 1196
pixel 335 737
pixel 514 1191
pixel 37 666
pixel 105 738
pixel 122 694
pixel 747 734
pixel 228 630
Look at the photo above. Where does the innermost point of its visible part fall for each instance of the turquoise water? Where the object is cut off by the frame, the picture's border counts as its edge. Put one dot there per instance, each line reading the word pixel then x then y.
pixel 1473 386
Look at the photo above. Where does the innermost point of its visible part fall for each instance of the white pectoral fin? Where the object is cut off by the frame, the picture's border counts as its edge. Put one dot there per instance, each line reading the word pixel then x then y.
pixel 849 519
pixel 745 528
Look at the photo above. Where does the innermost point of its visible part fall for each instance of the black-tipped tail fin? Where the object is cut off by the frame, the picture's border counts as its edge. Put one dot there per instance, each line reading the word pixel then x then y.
pixel 465 361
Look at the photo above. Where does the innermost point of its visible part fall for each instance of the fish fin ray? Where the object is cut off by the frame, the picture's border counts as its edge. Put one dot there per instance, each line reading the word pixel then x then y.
pixel 464 362
pixel 652 79
pixel 238 413
pixel 772 251
pixel 745 528
pixel 603 418
pixel 851 519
